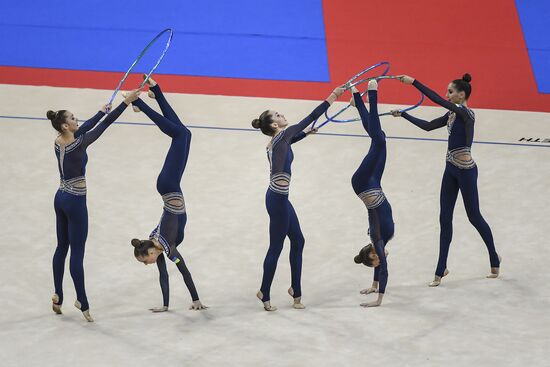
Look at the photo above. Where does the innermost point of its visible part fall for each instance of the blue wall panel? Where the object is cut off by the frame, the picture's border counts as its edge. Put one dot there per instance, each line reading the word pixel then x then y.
pixel 268 39
pixel 534 16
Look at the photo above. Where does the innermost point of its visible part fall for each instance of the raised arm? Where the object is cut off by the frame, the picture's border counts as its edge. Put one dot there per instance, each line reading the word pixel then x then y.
pixel 93 135
pixel 302 135
pixel 89 124
pixel 436 98
pixel 291 131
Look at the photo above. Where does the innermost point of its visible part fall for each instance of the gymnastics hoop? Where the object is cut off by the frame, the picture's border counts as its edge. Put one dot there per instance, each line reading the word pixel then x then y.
pixel 170 35
pixel 354 82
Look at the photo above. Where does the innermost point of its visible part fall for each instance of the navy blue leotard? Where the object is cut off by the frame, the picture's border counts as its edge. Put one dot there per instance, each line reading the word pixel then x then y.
pixel 459 174
pixel 283 220
pixel 366 183
pixel 71 211
pixel 170 230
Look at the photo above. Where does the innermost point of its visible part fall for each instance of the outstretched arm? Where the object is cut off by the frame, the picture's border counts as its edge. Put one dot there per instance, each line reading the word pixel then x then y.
pixel 291 131
pixel 302 134
pixel 164 284
pixel 89 124
pixel 93 135
pixel 436 98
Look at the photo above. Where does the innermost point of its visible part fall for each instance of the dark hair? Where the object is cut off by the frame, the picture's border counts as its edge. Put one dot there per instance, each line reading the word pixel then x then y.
pixel 264 123
pixel 57 118
pixel 363 257
pixel 141 248
pixel 463 85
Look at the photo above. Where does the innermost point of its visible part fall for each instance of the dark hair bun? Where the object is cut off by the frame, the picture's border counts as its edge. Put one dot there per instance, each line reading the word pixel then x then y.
pixel 50 115
pixel 467 78
pixel 256 123
pixel 358 259
pixel 136 242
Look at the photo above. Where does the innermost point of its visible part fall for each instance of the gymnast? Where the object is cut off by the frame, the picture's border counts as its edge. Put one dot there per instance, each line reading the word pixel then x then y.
pixel 283 220
pixel 70 199
pixel 366 183
pixel 460 169
pixel 169 233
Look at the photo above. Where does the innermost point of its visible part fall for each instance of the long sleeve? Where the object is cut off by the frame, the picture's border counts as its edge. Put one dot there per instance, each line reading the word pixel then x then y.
pixel 89 124
pixel 381 271
pixel 163 280
pixel 180 263
pixel 427 125
pixel 469 126
pixel 296 138
pixel 436 98
pixel 93 135
pixel 291 131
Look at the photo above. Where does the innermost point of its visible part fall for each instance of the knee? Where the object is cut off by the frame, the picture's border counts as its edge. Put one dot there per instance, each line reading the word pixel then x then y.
pixel 274 251
pixel 475 217
pixel 62 247
pixel 163 185
pixel 183 132
pixel 187 132
pixel 298 242
pixel 379 140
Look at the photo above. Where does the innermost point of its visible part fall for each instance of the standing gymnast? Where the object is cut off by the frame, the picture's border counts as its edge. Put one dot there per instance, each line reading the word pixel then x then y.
pixel 460 169
pixel 283 221
pixel 169 233
pixel 70 200
pixel 366 183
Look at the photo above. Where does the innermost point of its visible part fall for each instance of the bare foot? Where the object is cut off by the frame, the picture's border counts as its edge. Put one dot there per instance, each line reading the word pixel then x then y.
pixel 56 307
pixel 495 271
pixel 267 304
pixel 373 85
pixel 376 303
pixel 135 108
pixel 149 81
pixel 369 290
pixel 86 313
pixel 437 279
pixel 371 304
pixel 297 300
pixel 159 309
